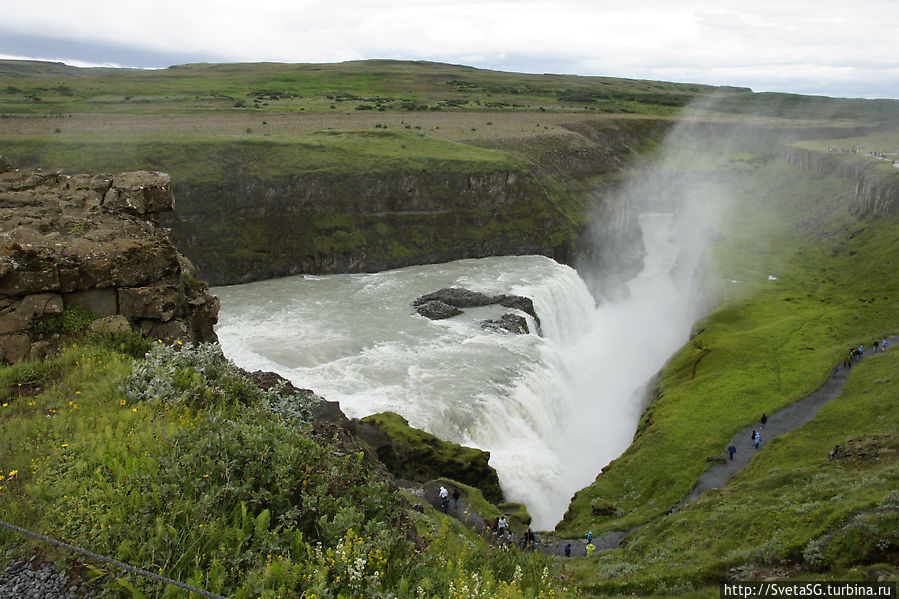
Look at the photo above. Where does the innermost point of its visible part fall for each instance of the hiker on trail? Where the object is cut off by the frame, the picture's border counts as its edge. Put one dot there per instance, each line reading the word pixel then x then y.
pixel 501 526
pixel 752 437
pixel 456 498
pixel 764 419
pixel 883 346
pixel 568 550
pixel 590 549
pixel 444 498
pixel 532 536
pixel 731 450
pixel 757 439
pixel 589 536
pixel 876 343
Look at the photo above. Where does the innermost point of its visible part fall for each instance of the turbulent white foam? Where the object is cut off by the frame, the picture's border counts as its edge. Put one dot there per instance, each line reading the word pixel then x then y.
pixel 552 410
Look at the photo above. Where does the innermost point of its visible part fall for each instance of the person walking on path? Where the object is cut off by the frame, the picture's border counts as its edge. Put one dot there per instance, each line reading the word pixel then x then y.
pixel 764 419
pixel 444 498
pixel 883 346
pixel 456 498
pixel 752 437
pixel 501 526
pixel 731 450
pixel 757 439
pixel 589 536
pixel 568 550
pixel 590 549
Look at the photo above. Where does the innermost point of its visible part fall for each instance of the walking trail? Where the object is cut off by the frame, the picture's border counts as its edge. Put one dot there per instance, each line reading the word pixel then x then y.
pixel 783 421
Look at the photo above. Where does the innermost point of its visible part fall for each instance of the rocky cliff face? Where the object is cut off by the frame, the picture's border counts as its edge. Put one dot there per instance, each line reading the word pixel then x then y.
pixel 876 185
pixel 247 229
pixel 89 246
pixel 244 228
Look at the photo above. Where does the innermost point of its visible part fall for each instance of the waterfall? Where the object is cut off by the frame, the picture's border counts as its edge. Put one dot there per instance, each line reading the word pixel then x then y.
pixel 551 409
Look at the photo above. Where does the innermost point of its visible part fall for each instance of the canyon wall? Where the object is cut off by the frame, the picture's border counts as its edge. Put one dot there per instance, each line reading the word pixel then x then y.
pixel 244 228
pixel 876 182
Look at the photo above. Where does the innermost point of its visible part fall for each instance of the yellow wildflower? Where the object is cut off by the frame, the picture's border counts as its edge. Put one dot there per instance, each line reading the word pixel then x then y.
pixel 12 473
pixel 65 445
pixel 134 410
pixel 123 402
pixel 5 404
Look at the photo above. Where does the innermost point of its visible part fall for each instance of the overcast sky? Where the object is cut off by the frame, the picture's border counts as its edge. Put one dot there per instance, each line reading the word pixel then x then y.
pixel 821 47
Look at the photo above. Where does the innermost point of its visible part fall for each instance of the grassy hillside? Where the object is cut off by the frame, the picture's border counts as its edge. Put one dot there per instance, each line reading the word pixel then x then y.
pixel 179 464
pixel 770 343
pixel 802 279
pixel 375 85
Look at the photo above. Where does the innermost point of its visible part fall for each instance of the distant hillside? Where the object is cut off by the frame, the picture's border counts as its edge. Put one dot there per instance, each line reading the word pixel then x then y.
pixel 29 87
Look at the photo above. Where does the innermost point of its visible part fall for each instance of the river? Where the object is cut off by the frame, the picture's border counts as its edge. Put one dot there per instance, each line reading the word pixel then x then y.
pixel 552 410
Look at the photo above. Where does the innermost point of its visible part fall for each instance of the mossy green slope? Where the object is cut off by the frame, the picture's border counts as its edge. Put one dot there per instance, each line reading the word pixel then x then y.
pixel 769 344
pixel 818 503
pixel 414 454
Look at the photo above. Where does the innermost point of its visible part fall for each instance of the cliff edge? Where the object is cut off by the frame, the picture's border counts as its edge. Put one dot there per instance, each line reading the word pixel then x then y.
pixel 87 247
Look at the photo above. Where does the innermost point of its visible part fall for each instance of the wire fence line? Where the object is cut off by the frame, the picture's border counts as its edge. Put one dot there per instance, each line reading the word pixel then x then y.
pixel 109 560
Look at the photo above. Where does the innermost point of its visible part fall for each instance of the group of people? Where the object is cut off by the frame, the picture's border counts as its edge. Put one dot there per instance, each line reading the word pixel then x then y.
pixel 445 497
pixel 857 353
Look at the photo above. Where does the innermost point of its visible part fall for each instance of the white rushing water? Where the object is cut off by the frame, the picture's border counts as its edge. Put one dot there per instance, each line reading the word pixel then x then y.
pixel 551 410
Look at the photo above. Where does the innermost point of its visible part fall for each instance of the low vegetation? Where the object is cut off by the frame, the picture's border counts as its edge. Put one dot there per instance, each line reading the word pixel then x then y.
pixel 178 463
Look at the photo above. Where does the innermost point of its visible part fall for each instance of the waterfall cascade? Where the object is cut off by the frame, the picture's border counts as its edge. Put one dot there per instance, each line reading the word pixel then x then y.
pixel 552 410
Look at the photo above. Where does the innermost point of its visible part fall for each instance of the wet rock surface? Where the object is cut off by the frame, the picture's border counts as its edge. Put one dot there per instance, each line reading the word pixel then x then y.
pixel 451 301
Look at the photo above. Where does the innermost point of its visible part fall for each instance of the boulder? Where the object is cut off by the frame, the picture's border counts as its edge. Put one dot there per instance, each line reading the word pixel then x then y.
pixel 140 193
pixel 508 323
pixel 437 310
pixel 439 304
pixel 415 455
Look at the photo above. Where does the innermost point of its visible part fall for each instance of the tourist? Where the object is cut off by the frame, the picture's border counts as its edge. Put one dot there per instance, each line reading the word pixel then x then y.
pixel 764 419
pixel 501 526
pixel 590 549
pixel 757 439
pixel 883 346
pixel 444 498
pixel 731 450
pixel 568 550
pixel 752 437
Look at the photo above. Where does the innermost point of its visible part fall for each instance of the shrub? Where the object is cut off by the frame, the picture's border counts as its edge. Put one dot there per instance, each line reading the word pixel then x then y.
pixel 74 319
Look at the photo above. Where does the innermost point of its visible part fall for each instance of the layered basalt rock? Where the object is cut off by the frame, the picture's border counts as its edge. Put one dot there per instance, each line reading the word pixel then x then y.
pixel 92 242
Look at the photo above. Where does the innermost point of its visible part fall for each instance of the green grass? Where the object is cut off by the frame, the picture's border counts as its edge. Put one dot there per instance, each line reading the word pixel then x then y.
pixel 378 85
pixel 216 160
pixel 769 344
pixel 793 509
pixel 180 466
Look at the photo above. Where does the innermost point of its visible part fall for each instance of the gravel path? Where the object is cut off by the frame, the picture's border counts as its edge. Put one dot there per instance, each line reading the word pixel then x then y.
pixel 31 580
pixel 784 421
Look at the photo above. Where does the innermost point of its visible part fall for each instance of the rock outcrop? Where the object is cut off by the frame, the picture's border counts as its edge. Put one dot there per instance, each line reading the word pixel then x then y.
pixel 89 245
pixel 450 302
pixel 876 182
pixel 412 454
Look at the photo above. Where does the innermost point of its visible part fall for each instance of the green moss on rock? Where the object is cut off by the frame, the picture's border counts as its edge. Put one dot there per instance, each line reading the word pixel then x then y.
pixel 414 454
